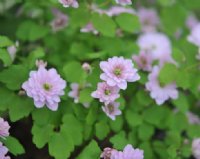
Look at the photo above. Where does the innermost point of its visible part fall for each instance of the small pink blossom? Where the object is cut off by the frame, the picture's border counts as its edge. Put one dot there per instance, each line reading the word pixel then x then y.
pixel 194 36
pixel 128 153
pixel 3 152
pixel 86 67
pixel 116 10
pixel 191 21
pixel 40 63
pixel 89 28
pixel 106 93
pixel 158 92
pixel 12 50
pixel 124 2
pixel 117 71
pixel 60 21
pixel 158 45
pixel 106 154
pixel 149 19
pixel 4 128
pixel 112 110
pixel 144 61
pixel 193 118
pixel 45 87
pixel 69 3
pixel 75 93
pixel 196 148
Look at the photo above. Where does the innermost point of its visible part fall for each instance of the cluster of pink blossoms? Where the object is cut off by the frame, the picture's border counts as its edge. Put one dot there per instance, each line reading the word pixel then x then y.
pixel 128 153
pixel 45 87
pixel 4 132
pixel 154 46
pixel 117 71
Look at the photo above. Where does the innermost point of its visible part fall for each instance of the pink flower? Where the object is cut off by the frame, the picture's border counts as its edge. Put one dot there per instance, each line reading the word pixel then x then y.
pixel 4 128
pixel 12 50
pixel 106 93
pixel 75 92
pixel 144 61
pixel 191 21
pixel 158 45
pixel 196 148
pixel 158 92
pixel 60 21
pixel 69 3
pixel 3 152
pixel 89 28
pixel 45 87
pixel 40 63
pixel 106 154
pixel 128 153
pixel 193 118
pixel 112 110
pixel 124 2
pixel 116 10
pixel 149 19
pixel 117 71
pixel 86 67
pixel 194 36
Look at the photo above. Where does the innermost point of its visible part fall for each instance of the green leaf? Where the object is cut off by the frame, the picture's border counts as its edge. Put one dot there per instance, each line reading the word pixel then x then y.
pixel 119 140
pixel 41 134
pixel 73 128
pixel 173 138
pixel 60 146
pixel 128 22
pixel 5 41
pixel 117 124
pixel 104 24
pixel 172 152
pixel 14 146
pixel 178 122
pixel 102 130
pixel 85 95
pixel 145 132
pixel 38 116
pixel 148 151
pixel 20 108
pixel 133 119
pixel 91 151
pixel 31 31
pixel 168 73
pixel 72 76
pixel 5 57
pixel 14 76
pixel 91 118
pixel 155 115
pixel 182 103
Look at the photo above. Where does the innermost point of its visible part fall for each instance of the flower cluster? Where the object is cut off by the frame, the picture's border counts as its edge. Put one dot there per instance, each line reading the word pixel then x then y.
pixel 128 153
pixel 45 87
pixel 154 46
pixel 4 132
pixel 117 71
